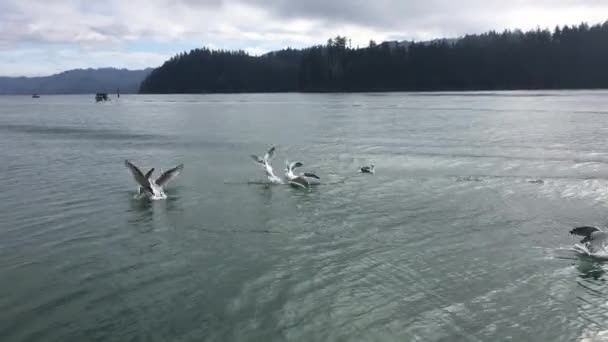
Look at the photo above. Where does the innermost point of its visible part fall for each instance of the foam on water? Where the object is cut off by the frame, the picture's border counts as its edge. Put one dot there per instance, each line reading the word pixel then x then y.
pixel 582 250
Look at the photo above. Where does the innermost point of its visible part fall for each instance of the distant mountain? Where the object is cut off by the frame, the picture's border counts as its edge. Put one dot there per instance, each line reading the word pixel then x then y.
pixel 78 81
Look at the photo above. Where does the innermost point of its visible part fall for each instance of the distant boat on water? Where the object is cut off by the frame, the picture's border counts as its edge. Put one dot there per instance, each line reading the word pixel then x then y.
pixel 101 97
pixel 35 96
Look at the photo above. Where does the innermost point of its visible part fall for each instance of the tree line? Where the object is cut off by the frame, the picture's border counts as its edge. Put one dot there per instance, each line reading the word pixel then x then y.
pixel 569 57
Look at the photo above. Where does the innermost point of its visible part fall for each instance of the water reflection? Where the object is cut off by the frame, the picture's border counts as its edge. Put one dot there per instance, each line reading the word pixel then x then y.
pixel 139 204
pixel 265 194
pixel 144 204
pixel 173 203
pixel 147 215
pixel 305 196
pixel 590 268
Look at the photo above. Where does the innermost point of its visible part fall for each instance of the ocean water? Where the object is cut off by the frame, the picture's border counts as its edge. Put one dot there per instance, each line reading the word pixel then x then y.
pixel 461 235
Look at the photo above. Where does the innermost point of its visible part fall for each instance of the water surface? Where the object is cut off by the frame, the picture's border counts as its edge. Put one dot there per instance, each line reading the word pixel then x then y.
pixel 460 236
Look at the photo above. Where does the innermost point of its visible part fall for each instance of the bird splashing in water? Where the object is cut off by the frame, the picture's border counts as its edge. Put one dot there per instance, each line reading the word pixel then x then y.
pixel 265 163
pixel 302 180
pixel 153 189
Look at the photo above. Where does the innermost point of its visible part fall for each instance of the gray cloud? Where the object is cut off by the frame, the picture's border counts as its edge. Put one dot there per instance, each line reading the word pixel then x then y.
pixel 258 25
pixel 74 21
pixel 438 15
pixel 117 20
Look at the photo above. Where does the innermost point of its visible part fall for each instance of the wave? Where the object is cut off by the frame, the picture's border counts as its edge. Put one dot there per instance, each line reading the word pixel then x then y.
pixel 77 132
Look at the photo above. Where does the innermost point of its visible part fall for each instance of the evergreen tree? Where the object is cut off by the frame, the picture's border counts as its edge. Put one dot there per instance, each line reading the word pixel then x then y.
pixel 568 57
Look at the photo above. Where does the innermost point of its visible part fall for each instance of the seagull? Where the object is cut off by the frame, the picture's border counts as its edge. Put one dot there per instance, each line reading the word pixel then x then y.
pixel 594 240
pixel 153 188
pixel 303 180
pixel 368 169
pixel 265 162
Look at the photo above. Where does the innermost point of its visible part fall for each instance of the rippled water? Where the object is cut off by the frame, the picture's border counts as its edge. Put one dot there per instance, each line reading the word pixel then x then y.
pixel 462 235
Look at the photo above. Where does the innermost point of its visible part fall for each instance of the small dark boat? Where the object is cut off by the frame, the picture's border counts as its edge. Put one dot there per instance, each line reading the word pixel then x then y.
pixel 101 97
pixel 35 96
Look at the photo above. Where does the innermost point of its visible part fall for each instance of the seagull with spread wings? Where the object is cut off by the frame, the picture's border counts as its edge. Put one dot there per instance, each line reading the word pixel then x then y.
pixel 153 189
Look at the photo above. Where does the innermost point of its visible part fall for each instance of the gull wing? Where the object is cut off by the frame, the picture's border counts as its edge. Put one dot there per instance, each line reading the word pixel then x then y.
pixel 169 175
pixel 268 156
pixel 585 232
pixel 149 173
pixel 138 176
pixel 311 175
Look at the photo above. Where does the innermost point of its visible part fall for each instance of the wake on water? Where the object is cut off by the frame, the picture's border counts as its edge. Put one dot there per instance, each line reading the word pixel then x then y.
pixel 574 252
pixel 336 180
pixel 583 250
pixel 154 197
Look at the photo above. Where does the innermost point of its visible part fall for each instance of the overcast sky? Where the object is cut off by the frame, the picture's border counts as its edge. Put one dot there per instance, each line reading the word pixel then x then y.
pixel 40 37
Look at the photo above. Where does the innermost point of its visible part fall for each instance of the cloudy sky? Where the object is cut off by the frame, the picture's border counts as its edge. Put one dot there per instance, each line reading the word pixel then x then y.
pixel 40 37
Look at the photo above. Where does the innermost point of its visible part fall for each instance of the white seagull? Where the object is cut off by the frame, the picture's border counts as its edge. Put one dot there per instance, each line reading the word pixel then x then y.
pixel 302 180
pixel 594 241
pixel 265 162
pixel 153 189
